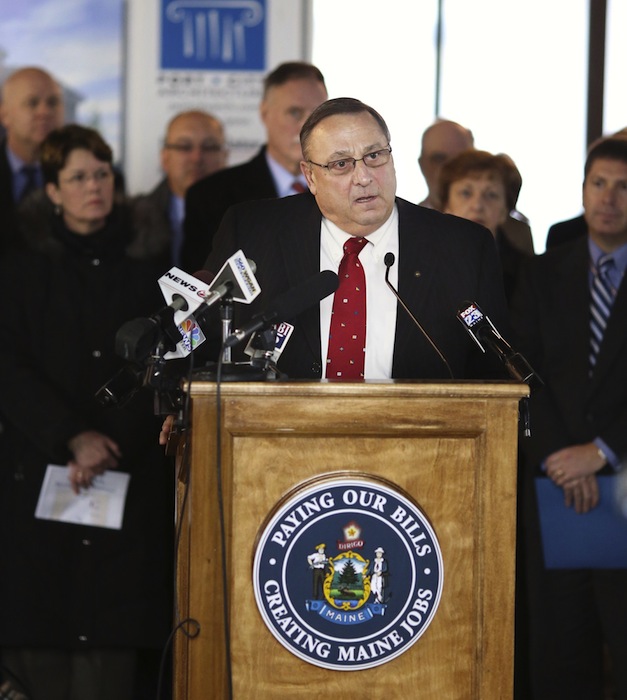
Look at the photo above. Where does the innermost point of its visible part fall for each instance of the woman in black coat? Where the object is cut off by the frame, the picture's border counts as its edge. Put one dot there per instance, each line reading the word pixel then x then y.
pixel 79 606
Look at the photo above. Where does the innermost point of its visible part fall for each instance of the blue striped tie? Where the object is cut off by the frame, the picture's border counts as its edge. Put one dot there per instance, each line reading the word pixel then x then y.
pixel 602 298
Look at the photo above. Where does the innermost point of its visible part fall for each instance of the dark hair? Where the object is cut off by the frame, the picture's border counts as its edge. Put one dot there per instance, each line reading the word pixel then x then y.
pixel 57 146
pixel 339 105
pixel 610 148
pixel 474 161
pixel 292 70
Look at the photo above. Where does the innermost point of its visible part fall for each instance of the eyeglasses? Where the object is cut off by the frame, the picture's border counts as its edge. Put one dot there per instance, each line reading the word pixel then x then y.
pixel 206 148
pixel 372 160
pixel 80 179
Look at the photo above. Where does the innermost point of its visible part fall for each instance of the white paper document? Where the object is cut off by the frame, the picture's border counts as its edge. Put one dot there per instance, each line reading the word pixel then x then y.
pixel 101 505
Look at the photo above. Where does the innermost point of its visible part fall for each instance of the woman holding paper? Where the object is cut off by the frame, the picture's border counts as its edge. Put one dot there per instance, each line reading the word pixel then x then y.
pixel 82 603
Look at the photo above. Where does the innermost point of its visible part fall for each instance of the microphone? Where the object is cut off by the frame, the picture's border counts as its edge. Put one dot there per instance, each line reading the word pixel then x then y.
pixel 227 283
pixel 389 260
pixel 192 294
pixel 136 339
pixel 484 333
pixel 289 304
pixel 235 278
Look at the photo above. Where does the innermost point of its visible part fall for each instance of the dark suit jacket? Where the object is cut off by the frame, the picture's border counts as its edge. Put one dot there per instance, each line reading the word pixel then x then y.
pixel 7 205
pixel 443 260
pixel 551 314
pixel 511 258
pixel 151 220
pixel 208 199
pixel 566 231
pixel 551 317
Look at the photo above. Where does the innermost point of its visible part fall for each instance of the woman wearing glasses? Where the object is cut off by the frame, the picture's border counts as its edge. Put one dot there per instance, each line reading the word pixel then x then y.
pixel 82 604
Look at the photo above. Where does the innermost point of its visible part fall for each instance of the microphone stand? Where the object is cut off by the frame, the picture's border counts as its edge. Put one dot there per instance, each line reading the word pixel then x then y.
pixel 389 261
pixel 232 371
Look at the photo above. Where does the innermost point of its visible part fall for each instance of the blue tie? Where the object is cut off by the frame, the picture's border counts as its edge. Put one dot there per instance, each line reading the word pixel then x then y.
pixel 601 300
pixel 30 180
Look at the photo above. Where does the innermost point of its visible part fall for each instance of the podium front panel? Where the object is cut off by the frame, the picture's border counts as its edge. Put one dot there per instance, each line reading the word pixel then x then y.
pixel 451 447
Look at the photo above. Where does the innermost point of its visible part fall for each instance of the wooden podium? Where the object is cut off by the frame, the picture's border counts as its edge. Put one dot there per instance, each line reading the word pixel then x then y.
pixel 451 446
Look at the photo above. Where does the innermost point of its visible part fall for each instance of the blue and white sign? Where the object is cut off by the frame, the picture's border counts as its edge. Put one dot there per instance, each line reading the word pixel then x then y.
pixel 348 572
pixel 203 54
pixel 213 35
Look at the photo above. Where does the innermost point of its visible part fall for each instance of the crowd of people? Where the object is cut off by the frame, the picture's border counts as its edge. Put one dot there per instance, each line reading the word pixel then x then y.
pixel 87 610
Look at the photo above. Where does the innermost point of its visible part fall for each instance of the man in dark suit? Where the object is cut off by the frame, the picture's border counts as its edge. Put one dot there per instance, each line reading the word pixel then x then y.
pixel 440 261
pixel 31 107
pixel 569 230
pixel 193 148
pixel 578 345
pixel 291 92
pixel 566 231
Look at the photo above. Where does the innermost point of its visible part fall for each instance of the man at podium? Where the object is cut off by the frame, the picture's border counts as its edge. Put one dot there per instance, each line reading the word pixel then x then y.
pixel 384 249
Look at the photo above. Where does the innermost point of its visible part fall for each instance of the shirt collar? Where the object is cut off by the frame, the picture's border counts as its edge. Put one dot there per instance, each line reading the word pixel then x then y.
pixel 16 162
pixel 283 178
pixel 379 238
pixel 619 255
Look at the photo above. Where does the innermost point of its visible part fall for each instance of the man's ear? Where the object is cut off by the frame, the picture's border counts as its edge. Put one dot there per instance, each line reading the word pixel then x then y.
pixel 306 170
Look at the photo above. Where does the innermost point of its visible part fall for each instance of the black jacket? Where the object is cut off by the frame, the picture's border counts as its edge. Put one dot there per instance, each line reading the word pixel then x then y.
pixel 68 586
pixel 208 199
pixel 443 261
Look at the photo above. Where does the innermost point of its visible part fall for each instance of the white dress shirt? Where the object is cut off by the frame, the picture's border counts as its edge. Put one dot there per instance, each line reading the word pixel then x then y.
pixel 381 304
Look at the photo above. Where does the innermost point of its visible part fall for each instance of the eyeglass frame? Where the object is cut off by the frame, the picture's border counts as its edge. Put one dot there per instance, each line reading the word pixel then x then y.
pixel 349 159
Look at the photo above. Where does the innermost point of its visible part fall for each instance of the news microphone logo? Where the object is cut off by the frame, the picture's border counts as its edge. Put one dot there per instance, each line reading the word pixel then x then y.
pixel 188 292
pixel 473 318
pixel 484 333
pixel 236 277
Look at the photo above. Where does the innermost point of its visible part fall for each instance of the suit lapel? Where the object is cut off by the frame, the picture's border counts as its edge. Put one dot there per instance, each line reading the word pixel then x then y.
pixel 570 318
pixel 300 250
pixel 418 268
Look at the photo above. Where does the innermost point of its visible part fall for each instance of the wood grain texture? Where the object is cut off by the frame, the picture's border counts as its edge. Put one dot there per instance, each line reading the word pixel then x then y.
pixel 452 447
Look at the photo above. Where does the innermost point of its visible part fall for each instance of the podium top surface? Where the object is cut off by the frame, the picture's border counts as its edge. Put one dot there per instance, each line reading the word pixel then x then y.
pixel 381 388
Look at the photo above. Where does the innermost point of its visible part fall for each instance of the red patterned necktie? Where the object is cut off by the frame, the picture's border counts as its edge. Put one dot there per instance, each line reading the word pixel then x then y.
pixel 298 187
pixel 347 337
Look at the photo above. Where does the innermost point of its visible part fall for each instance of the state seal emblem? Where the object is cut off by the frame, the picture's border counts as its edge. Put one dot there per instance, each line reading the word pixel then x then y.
pixel 347 572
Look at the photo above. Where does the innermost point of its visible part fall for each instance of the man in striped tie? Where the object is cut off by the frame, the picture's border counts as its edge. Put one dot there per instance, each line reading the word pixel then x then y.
pixel 571 315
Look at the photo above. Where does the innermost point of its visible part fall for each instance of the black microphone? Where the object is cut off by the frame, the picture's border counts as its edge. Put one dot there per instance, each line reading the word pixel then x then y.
pixel 389 260
pixel 289 304
pixel 484 333
pixel 136 339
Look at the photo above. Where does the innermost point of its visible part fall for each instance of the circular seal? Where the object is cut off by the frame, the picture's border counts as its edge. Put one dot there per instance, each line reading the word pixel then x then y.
pixel 347 572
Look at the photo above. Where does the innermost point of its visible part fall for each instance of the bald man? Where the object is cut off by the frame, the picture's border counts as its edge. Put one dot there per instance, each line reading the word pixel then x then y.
pixel 31 106
pixel 441 141
pixel 194 147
